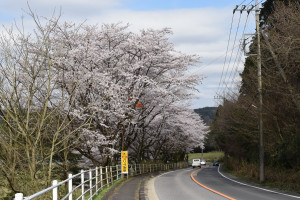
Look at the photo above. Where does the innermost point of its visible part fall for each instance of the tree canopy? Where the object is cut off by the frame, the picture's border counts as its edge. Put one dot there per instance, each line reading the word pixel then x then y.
pixel 237 121
pixel 83 91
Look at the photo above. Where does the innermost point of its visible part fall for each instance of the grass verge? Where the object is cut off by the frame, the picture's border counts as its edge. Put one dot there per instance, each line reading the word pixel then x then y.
pixel 113 187
pixel 209 157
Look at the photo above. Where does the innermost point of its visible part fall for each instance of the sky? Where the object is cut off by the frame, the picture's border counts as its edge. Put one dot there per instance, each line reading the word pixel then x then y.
pixel 207 28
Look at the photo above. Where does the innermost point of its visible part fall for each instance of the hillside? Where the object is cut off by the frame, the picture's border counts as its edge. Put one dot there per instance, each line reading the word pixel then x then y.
pixel 207 114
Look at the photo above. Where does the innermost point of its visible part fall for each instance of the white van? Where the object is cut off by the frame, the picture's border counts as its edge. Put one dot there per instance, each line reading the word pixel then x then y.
pixel 196 163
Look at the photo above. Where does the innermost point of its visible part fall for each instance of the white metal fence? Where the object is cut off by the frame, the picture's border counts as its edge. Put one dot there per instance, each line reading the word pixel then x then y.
pixel 87 184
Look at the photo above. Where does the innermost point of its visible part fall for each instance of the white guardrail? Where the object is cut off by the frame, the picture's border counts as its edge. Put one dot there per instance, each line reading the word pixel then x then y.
pixel 87 184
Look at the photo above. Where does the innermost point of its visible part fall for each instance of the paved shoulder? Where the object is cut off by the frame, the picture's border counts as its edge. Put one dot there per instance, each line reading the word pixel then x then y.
pixel 150 190
pixel 129 190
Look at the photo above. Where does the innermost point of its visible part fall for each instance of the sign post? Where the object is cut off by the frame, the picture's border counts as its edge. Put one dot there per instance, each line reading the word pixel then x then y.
pixel 124 162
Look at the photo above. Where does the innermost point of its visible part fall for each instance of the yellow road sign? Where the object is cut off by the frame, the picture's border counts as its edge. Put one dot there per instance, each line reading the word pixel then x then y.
pixel 124 162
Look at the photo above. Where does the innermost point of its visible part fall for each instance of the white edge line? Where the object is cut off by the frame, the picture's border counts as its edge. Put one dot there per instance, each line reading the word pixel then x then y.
pixel 298 197
pixel 171 172
pixel 164 174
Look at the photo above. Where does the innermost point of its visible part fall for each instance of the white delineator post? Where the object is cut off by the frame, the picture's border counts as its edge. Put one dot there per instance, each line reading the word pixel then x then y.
pixel 101 178
pixel 70 184
pixel 82 184
pixel 97 180
pixel 107 180
pixel 54 191
pixel 91 183
pixel 19 196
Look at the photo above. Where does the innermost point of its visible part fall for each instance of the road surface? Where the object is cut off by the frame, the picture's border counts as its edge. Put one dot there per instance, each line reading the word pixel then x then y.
pixel 207 183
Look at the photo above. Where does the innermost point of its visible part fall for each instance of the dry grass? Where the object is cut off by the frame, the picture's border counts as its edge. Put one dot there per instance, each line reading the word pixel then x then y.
pixel 283 179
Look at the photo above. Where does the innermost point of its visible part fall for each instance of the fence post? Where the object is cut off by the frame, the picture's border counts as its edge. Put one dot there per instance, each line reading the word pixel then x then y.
pixel 97 180
pixel 117 172
pixel 111 175
pixel 54 191
pixel 101 178
pixel 70 184
pixel 91 183
pixel 107 183
pixel 82 184
pixel 19 196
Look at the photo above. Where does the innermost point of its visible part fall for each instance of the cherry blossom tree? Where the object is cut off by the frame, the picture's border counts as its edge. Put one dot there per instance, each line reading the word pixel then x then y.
pixel 116 69
pixel 170 135
pixel 68 88
pixel 34 125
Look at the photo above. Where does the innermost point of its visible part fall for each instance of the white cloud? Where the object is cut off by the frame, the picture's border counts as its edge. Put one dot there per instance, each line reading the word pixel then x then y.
pixel 201 31
pixel 47 6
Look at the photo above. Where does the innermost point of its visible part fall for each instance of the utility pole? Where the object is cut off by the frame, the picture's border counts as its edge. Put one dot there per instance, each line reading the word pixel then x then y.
pixel 220 97
pixel 259 80
pixel 259 87
pixel 123 132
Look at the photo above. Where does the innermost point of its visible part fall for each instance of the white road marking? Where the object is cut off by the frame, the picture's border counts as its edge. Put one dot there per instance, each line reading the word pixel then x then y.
pixel 164 174
pixel 171 172
pixel 151 190
pixel 255 186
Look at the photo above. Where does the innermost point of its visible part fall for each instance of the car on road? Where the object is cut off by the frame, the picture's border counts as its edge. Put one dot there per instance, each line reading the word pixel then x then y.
pixel 215 163
pixel 203 162
pixel 196 163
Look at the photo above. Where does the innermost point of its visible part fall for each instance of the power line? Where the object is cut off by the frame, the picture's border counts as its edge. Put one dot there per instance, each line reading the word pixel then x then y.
pixel 238 57
pixel 211 62
pixel 249 3
pixel 242 3
pixel 226 51
pixel 237 29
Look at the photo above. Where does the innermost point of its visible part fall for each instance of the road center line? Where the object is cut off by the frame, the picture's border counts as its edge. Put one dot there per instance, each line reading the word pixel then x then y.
pixel 219 193
pixel 255 186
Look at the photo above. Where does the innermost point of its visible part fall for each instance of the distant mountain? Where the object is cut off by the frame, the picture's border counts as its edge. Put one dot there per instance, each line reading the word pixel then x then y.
pixel 207 114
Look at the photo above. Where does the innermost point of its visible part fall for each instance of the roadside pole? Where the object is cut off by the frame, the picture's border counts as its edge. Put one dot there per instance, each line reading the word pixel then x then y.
pixel 123 131
pixel 259 80
pixel 259 85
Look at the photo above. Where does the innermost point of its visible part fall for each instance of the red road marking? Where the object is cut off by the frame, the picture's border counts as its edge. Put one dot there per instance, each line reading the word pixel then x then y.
pixel 219 193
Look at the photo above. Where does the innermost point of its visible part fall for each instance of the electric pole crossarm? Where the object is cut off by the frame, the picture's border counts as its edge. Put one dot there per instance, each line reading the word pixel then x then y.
pixel 243 8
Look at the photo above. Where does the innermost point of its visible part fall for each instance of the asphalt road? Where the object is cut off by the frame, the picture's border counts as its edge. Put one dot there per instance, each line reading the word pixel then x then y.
pixel 178 185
